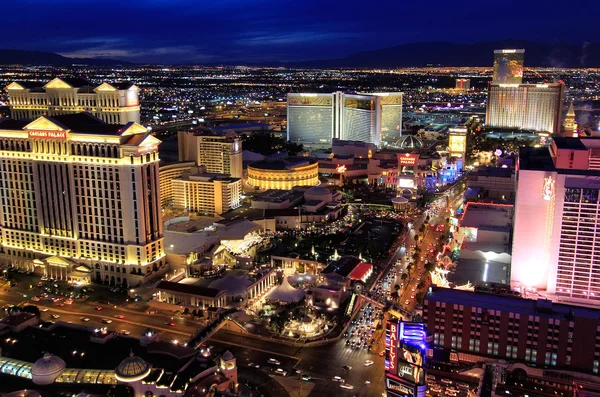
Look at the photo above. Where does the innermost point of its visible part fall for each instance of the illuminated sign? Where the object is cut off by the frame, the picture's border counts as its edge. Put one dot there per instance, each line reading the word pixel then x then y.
pixel 411 360
pixel 391 345
pixel 397 386
pixel 457 143
pixel 133 102
pixel 548 191
pixel 39 134
pixel 408 159
pixel 340 169
pixel 406 183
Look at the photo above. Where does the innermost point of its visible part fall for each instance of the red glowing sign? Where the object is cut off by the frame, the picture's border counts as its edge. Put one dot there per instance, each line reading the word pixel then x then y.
pixel 393 346
pixel 408 159
pixel 40 134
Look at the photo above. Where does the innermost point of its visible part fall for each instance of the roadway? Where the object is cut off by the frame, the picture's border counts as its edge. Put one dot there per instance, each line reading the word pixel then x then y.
pixel 135 319
pixel 320 363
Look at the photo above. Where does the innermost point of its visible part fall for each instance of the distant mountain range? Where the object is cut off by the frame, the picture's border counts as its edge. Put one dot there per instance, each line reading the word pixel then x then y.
pixel 406 55
pixel 477 54
pixel 20 57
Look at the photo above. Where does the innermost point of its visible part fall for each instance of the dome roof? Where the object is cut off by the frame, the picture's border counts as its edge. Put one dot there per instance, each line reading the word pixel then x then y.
pixel 318 190
pixel 132 369
pixel 227 356
pixel 409 142
pixel 45 370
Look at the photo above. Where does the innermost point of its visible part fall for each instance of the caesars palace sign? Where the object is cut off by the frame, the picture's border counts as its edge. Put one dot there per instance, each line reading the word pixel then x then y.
pixel 40 134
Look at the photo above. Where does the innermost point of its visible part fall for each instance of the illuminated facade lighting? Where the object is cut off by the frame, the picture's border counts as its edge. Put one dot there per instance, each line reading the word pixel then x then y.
pixel 525 106
pixel 116 103
pixel 94 203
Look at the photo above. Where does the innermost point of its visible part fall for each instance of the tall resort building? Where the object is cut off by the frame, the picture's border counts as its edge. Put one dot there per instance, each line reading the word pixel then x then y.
pixel 508 66
pixel 536 107
pixel 557 220
pixel 80 199
pixel 219 151
pixel 115 103
pixel 315 119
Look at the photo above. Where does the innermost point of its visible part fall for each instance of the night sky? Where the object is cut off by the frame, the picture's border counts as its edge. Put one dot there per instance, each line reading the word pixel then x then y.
pixel 201 31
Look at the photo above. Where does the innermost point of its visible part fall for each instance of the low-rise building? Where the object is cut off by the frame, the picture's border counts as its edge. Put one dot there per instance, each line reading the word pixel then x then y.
pixel 278 172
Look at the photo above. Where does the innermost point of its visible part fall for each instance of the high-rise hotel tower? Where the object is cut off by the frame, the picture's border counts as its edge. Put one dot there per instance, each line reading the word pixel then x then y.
pixel 315 119
pixel 115 103
pixel 80 199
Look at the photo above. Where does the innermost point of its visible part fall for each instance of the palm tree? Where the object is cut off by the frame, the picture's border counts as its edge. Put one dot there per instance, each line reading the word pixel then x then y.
pixel 394 295
pixel 404 276
pixel 396 287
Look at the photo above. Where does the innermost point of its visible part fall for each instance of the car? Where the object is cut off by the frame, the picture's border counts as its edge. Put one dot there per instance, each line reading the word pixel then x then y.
pixel 337 379
pixel 98 308
pixel 125 332
pixel 55 316
pixel 273 361
pixel 407 302
pixel 305 378
pixel 367 382
pixel 84 319
pixel 170 323
pixel 45 309
pixel 106 321
pixel 281 372
pixel 346 386
pixel 346 368
pixel 368 363
pixel 253 365
pixel 119 316
pixel 446 381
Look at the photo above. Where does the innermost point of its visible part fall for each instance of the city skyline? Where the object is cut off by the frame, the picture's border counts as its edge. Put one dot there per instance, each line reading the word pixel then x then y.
pixel 185 31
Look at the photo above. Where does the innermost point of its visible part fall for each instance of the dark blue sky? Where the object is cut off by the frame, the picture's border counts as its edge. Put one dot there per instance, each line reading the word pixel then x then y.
pixel 201 31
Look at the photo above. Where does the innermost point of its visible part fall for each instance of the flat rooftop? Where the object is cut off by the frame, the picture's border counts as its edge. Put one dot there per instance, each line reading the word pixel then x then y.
pixel 541 308
pixel 569 143
pixel 278 196
pixel 488 216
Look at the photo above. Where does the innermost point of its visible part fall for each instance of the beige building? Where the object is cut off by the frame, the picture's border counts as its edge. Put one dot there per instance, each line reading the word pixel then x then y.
pixel 210 194
pixel 77 188
pixel 166 175
pixel 536 107
pixel 219 152
pixel 283 173
pixel 116 103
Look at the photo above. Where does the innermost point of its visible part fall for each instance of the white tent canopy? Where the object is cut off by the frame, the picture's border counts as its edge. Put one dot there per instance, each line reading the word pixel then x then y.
pixel 286 293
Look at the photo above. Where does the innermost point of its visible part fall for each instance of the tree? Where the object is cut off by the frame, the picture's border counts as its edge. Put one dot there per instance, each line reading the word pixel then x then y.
pixel 396 287
pixel 394 295
pixel 32 309
pixel 421 284
pixel 419 297
pixel 429 267
pixel 186 311
pixel 404 276
pixel 200 314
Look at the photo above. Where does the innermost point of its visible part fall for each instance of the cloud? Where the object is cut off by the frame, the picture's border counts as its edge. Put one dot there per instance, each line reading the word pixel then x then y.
pixel 299 37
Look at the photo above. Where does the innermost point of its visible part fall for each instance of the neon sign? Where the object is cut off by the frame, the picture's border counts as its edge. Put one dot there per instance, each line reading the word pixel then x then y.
pixel 340 169
pixel 407 159
pixel 393 345
pixel 40 134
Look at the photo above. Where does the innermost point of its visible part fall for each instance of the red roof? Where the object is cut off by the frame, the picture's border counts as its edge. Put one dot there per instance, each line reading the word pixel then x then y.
pixel 360 271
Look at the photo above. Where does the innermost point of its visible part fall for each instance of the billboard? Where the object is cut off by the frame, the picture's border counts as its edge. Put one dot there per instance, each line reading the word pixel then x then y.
pixel 457 143
pixel 396 387
pixel 407 183
pixel 405 359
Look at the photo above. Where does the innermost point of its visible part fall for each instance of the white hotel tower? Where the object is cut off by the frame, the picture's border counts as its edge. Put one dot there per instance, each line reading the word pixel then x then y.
pixel 80 199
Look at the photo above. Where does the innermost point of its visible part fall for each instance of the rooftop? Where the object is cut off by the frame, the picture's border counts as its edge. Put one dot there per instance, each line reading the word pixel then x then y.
pixel 505 303
pixel 488 216
pixel 343 266
pixel 283 163
pixel 569 143
pixel 278 196
pixel 189 289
